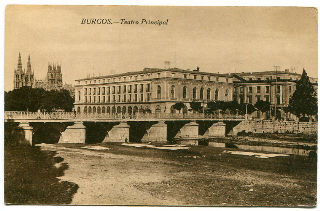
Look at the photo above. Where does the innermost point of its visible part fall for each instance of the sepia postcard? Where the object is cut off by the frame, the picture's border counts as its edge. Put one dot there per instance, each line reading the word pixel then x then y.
pixel 160 106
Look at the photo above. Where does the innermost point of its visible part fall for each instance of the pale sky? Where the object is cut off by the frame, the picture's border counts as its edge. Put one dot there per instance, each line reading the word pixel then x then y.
pixel 217 39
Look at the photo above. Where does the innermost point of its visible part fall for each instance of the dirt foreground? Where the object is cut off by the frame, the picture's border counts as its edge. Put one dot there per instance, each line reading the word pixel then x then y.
pixel 201 176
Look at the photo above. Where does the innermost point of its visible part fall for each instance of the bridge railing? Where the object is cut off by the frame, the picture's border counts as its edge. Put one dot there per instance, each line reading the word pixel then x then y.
pixel 86 116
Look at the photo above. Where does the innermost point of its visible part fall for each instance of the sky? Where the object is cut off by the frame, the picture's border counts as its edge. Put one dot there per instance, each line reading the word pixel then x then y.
pixel 217 39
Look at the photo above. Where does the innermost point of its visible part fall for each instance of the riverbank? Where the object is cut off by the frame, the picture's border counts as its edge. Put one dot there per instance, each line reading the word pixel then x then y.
pixel 115 174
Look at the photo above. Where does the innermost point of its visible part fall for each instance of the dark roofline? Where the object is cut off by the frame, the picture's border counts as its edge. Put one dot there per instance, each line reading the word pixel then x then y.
pixel 267 72
pixel 153 70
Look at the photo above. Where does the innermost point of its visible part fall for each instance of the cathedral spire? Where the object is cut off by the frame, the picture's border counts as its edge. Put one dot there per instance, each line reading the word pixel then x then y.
pixel 29 65
pixel 19 62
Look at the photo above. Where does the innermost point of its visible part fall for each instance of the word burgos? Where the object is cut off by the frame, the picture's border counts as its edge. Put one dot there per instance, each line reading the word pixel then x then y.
pixel 96 21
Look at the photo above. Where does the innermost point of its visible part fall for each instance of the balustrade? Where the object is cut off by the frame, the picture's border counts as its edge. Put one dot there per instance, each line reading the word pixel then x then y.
pixel 116 116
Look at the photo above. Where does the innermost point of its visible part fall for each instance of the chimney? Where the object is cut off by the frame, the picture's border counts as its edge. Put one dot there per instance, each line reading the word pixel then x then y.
pixel 286 70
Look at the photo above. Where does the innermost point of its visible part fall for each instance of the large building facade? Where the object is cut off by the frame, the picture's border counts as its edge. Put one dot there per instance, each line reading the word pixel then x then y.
pixel 152 90
pixel 23 77
pixel 275 87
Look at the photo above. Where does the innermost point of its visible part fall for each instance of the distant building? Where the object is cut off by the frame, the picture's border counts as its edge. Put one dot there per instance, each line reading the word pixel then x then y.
pixel 275 87
pixel 54 77
pixel 151 90
pixel 23 77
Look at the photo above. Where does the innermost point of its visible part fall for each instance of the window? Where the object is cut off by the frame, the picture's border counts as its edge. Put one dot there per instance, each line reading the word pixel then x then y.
pixel 108 90
pixel 216 94
pixel 290 89
pixel 148 87
pixel 85 91
pixel 194 93
pixel 159 92
pixel 113 89
pixel 86 99
pixel 104 99
pixel 158 75
pixel 227 92
pixel 141 87
pixel 89 91
pixel 267 89
pixel 119 98
pixel 250 89
pixel 172 91
pixel 99 91
pixel 99 99
pixel 250 99
pixel 114 98
pixel 135 88
pixel 185 75
pixel 184 91
pixel 278 99
pixel 124 99
pixel 258 89
pixel 209 78
pixel 278 89
pixel 267 98
pixel 103 91
pixel 130 86
pixel 119 89
pixel 141 97
pixel 194 76
pixel 109 99
pixel 148 96
pixel 135 97
pixel 258 98
pixel 202 77
pixel 208 94
pixel 201 93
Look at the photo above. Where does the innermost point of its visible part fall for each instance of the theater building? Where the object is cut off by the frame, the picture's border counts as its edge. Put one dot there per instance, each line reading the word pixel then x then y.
pixel 152 90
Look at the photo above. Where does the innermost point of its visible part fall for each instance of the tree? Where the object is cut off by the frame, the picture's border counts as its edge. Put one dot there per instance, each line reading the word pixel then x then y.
pixel 303 101
pixel 178 106
pixel 196 106
pixel 263 106
pixel 33 99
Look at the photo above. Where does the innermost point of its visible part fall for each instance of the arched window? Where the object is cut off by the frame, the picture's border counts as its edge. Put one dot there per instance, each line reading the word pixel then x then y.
pixel 135 110
pixel 159 92
pixel 208 94
pixel 216 95
pixel 118 110
pixel 94 109
pixel 89 110
pixel 113 110
pixel 103 109
pixel 85 110
pixel 184 91
pixel 158 109
pixel 124 109
pixel 99 110
pixel 172 91
pixel 201 93
pixel 194 93
pixel 129 110
pixel 108 110
pixel 227 92
pixel 78 110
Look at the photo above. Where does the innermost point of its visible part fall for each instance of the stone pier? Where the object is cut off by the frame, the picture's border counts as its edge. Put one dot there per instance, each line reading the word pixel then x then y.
pixel 28 131
pixel 189 134
pixel 156 133
pixel 118 133
pixel 74 134
pixel 216 130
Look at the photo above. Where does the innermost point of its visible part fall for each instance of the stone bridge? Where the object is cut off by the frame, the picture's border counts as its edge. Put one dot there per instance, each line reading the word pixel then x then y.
pixel 153 127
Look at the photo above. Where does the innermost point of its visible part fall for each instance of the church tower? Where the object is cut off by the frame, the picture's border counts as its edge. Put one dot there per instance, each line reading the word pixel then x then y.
pixel 29 75
pixel 54 77
pixel 22 77
pixel 19 75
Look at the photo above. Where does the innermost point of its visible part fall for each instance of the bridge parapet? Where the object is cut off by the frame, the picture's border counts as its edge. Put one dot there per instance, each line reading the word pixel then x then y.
pixel 21 115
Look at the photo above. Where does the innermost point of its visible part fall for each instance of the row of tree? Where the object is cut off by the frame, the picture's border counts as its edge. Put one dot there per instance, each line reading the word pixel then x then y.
pixel 34 99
